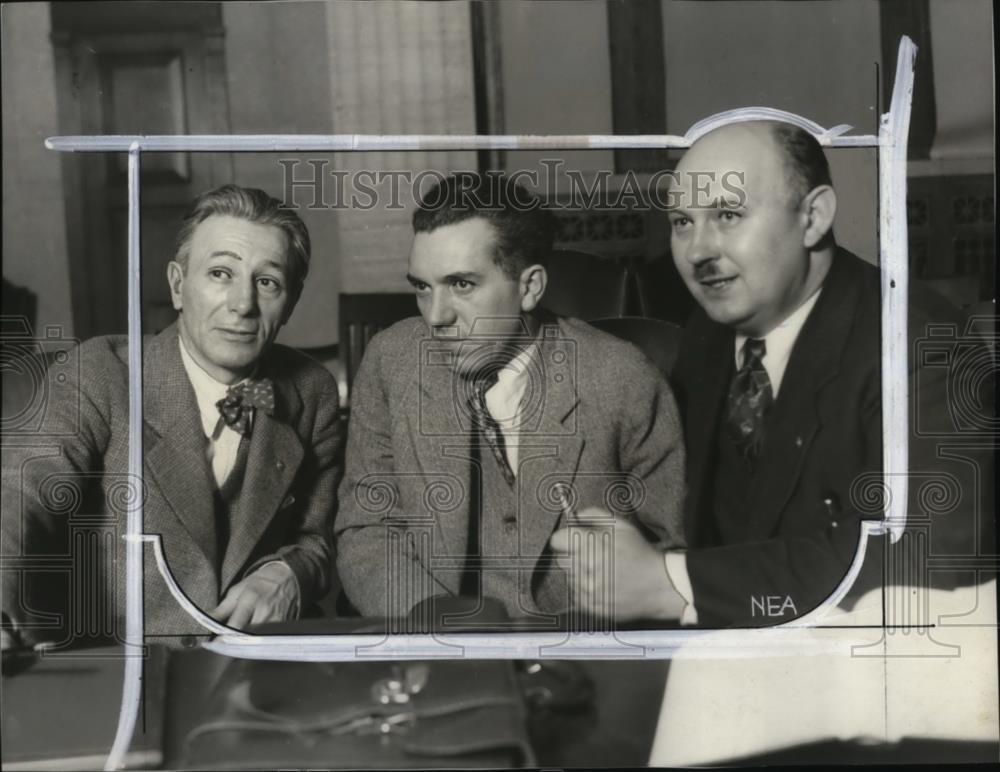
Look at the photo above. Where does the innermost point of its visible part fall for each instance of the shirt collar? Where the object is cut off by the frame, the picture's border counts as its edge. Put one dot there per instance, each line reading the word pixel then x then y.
pixel 503 399
pixel 207 391
pixel 779 342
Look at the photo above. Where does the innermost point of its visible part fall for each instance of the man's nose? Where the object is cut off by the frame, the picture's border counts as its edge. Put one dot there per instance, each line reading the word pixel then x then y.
pixel 441 313
pixel 703 244
pixel 243 298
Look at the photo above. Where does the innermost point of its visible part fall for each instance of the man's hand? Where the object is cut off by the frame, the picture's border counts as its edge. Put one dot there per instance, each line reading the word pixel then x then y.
pixel 7 640
pixel 269 594
pixel 623 570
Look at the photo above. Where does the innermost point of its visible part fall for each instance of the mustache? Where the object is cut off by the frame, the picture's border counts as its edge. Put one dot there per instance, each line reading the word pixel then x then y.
pixel 706 271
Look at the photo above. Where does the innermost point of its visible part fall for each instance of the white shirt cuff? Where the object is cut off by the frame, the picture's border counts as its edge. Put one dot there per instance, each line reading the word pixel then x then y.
pixel 677 572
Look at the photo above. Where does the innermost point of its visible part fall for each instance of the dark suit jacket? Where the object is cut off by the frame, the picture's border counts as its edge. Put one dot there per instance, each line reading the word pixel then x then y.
pixel 78 480
pixel 817 476
pixel 604 421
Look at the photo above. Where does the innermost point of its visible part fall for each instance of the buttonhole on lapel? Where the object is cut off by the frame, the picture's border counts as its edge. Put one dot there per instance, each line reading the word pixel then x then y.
pixel 289 500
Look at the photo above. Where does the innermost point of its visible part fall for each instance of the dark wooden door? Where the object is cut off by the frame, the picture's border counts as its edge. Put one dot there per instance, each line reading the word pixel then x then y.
pixel 124 72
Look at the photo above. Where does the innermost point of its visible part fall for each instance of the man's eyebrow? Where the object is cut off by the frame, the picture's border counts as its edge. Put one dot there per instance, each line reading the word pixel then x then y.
pixel 280 267
pixel 462 276
pixel 269 263
pixel 719 202
pixel 451 277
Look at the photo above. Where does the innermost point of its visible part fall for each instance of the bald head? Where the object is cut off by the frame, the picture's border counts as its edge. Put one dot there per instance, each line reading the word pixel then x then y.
pixel 751 232
pixel 772 143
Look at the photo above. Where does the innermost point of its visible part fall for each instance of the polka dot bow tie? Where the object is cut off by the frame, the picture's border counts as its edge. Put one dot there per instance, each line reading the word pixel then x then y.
pixel 237 407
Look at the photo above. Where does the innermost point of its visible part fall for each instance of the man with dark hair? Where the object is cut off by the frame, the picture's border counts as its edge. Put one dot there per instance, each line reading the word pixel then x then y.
pixel 242 442
pixel 525 230
pixel 779 382
pixel 484 431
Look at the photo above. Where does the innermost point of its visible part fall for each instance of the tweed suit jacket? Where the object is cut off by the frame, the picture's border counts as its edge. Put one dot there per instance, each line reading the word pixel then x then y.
pixel 52 494
pixel 820 470
pixel 598 417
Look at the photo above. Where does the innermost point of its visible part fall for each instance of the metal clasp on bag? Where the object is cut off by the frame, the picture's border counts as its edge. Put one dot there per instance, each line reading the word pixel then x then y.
pixel 402 685
pixel 399 722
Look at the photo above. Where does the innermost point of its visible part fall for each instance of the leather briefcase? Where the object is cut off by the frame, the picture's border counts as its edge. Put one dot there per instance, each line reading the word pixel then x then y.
pixel 245 714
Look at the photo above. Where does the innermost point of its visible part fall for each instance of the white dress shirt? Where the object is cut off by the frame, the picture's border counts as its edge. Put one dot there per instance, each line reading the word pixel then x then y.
pixel 505 398
pixel 778 344
pixel 223 441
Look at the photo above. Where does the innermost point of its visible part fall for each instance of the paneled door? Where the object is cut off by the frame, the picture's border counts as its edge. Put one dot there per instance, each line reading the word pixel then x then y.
pixel 121 72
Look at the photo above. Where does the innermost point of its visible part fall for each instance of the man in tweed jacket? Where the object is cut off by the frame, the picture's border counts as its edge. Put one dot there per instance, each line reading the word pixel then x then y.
pixel 241 503
pixel 481 434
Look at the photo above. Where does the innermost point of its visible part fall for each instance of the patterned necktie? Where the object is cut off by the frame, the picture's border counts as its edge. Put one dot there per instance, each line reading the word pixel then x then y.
pixel 486 424
pixel 750 396
pixel 237 407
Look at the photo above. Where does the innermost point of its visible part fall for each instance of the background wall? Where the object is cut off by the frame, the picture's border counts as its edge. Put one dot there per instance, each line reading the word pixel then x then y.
pixel 277 61
pixel 34 236
pixel 556 76
pixel 397 68
pixel 962 39
pixel 393 67
pixel 817 59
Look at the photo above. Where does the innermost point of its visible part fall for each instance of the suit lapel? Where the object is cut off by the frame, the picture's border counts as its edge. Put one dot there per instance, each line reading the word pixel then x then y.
pixel 439 425
pixel 710 345
pixel 550 449
pixel 551 442
pixel 273 460
pixel 795 416
pixel 174 443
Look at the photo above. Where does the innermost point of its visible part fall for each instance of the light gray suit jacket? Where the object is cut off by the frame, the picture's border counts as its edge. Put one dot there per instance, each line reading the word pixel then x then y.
pixel 600 417
pixel 74 484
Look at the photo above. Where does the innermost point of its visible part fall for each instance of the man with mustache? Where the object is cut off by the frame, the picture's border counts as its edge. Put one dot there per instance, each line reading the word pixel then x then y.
pixel 779 383
pixel 241 448
pixel 481 432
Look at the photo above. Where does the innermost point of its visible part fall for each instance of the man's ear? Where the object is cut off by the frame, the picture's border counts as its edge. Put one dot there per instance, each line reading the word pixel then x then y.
pixel 533 281
pixel 819 207
pixel 175 278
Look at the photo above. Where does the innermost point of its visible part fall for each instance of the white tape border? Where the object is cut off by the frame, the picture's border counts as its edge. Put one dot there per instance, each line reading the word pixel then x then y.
pixel 891 142
pixel 302 143
pixel 894 263
pixel 132 685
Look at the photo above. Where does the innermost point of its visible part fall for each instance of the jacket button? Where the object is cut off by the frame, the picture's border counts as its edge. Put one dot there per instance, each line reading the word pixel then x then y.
pixel 798 442
pixel 279 465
